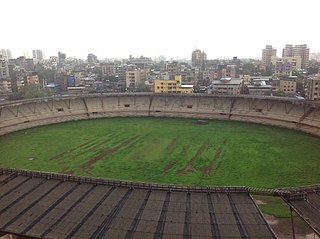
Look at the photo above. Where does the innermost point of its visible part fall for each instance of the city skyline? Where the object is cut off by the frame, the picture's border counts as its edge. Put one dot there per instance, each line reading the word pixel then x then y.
pixel 174 29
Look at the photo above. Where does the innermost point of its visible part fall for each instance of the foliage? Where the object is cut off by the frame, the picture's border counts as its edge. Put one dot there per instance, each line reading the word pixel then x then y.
pixel 45 73
pixel 160 150
pixel 279 93
pixel 28 91
pixel 141 87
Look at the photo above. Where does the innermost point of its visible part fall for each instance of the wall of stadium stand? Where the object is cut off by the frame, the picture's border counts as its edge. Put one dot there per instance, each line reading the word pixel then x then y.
pixel 284 112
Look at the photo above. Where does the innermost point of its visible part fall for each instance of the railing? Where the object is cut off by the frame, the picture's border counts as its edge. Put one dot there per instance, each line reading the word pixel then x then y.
pixel 122 183
pixel 287 193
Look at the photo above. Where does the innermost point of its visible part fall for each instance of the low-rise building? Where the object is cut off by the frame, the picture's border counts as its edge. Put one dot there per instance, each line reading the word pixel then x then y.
pixel 259 88
pixel 108 69
pixel 172 86
pixel 257 85
pixel 5 87
pixel 288 86
pixel 32 79
pixel 226 86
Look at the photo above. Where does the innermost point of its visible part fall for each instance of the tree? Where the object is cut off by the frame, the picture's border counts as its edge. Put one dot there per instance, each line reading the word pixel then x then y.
pixel 28 92
pixel 141 87
pixel 45 73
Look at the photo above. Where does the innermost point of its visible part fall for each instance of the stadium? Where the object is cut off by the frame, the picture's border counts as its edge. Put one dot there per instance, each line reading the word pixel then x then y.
pixel 103 208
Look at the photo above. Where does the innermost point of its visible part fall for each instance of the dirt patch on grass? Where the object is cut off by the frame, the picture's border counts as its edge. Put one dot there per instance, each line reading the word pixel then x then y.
pixel 172 144
pixel 168 167
pixel 189 166
pixel 88 149
pixel 59 156
pixel 208 169
pixel 282 226
pixel 181 154
pixel 106 153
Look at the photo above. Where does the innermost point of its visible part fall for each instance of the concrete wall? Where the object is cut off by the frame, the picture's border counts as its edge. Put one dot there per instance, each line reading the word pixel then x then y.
pixel 290 113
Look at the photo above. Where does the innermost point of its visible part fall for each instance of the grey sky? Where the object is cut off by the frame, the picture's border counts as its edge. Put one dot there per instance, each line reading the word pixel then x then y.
pixel 174 28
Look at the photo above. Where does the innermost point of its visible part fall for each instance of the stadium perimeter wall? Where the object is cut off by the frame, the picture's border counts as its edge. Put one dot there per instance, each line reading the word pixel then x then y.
pixel 295 114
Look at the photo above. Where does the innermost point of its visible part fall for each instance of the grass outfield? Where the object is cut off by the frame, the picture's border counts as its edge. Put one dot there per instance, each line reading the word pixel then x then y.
pixel 166 150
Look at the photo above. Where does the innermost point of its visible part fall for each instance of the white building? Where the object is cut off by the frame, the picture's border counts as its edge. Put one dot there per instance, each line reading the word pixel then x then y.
pixel 226 86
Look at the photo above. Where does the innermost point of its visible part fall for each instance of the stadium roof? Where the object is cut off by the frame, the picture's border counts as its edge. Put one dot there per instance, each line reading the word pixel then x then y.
pixel 305 201
pixel 45 205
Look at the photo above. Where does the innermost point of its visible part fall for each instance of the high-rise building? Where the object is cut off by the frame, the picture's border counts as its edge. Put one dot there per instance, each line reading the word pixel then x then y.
pixel 315 56
pixel 92 58
pixel 267 53
pixel 61 58
pixel 198 58
pixel 298 50
pixel 29 64
pixel 4 69
pixel 287 51
pixel 37 54
pixel 6 54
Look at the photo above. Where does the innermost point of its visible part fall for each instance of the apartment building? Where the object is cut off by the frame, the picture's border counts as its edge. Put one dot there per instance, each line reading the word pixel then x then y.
pixel 6 54
pixel 173 69
pixel 4 68
pixel 135 77
pixel 108 69
pixel 91 58
pixel 38 55
pixel 32 79
pixel 172 86
pixel 198 59
pixel 312 88
pixel 267 53
pixel 285 65
pixel 5 87
pixel 298 50
pixel 288 86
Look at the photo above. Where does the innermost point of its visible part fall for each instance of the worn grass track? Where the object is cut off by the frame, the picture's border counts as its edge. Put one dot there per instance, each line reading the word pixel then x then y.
pixel 168 150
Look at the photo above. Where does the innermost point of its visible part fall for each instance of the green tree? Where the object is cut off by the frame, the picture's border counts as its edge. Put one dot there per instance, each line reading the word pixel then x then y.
pixel 45 73
pixel 28 92
pixel 141 87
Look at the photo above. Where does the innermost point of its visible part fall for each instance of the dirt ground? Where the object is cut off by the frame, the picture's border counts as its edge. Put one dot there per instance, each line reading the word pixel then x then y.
pixel 282 228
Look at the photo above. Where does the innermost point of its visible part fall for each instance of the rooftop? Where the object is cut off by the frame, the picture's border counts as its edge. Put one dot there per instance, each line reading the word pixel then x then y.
pixel 46 205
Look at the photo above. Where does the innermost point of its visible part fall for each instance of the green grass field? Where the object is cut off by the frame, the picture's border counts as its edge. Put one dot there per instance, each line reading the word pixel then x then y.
pixel 163 150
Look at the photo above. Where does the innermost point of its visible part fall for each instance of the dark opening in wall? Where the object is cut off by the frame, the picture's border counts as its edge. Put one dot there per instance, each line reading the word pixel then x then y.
pixel 126 105
pixel 158 111
pixel 26 121
pixel 60 109
pixel 189 106
pixel 258 110
pixel 94 113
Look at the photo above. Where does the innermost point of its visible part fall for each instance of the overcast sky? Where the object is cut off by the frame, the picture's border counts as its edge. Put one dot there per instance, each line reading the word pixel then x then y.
pixel 174 28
